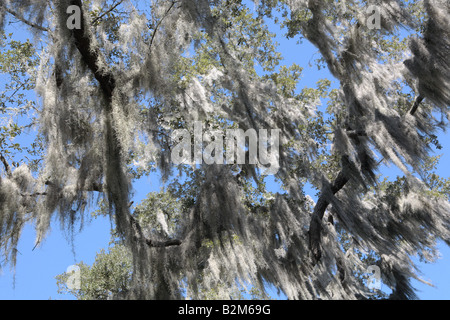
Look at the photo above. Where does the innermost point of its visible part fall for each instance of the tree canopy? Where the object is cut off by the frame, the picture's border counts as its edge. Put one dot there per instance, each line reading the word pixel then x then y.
pixel 116 80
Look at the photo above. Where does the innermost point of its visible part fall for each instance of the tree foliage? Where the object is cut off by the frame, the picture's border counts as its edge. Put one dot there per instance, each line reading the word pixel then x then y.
pixel 112 92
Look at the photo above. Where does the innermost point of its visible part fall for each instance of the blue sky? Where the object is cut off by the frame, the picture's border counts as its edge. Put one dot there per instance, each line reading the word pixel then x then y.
pixel 36 269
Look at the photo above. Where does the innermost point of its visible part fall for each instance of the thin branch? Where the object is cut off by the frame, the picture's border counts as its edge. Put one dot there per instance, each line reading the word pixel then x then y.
pixel 19 17
pixel 37 243
pixel 105 13
pixel 160 21
pixel 16 90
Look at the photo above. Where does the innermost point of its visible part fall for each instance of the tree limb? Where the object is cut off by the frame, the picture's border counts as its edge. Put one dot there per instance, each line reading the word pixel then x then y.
pixel 107 83
pixel 139 237
pixel 37 194
pixel 315 227
pixel 6 164
pixel 414 108
pixel 116 180
pixel 162 244
pixel 97 187
pixel 91 55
